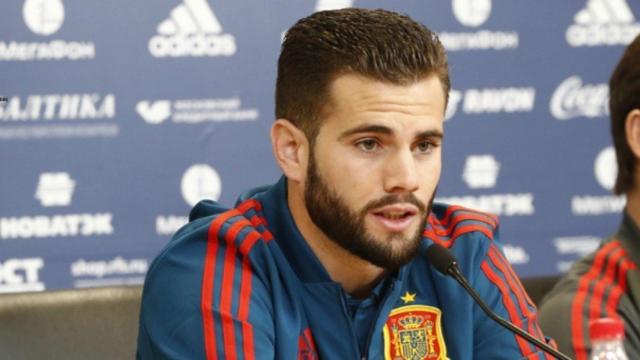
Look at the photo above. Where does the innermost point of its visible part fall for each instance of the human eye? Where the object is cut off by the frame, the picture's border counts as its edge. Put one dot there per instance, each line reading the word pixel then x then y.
pixel 424 146
pixel 368 145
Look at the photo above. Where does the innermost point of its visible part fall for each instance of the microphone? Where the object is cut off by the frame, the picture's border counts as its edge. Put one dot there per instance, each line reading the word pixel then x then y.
pixel 445 262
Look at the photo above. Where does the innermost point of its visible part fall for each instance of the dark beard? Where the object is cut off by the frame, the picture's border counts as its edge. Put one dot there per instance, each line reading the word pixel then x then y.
pixel 347 229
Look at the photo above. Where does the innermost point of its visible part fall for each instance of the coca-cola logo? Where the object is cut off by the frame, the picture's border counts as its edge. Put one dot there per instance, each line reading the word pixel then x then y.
pixel 574 99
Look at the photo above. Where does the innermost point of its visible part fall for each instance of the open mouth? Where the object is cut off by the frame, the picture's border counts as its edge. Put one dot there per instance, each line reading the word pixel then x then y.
pixel 395 218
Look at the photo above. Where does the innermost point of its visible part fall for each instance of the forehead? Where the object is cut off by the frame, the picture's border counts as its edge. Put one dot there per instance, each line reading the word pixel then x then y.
pixel 355 99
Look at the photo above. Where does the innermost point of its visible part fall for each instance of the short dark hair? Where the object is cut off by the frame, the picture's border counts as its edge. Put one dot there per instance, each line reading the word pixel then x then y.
pixel 624 96
pixel 377 44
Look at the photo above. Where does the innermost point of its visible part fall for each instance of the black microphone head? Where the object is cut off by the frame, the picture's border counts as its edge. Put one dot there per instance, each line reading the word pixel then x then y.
pixel 441 258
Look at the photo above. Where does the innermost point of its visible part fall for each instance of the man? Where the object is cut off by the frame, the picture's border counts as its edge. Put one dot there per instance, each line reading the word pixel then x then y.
pixel 330 262
pixel 606 283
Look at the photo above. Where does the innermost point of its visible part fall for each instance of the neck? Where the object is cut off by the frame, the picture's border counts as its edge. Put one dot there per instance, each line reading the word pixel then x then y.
pixel 633 204
pixel 357 276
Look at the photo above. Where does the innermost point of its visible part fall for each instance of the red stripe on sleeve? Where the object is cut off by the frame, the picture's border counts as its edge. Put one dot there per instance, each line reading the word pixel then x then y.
pixel 245 296
pixel 616 292
pixel 514 286
pixel 577 320
pixel 228 330
pixel 605 281
pixel 508 304
pixel 206 299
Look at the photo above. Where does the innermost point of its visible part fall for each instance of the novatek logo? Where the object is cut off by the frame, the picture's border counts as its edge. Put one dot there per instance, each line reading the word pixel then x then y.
pixel 472 12
pixel 20 275
pixel 322 5
pixel 55 189
pixel 573 99
pixel 43 17
pixel 603 22
pixel 154 112
pixel 192 30
pixel 200 182
pixel 498 204
pixel 481 171
pixel 606 168
pixel 26 227
pixel 195 111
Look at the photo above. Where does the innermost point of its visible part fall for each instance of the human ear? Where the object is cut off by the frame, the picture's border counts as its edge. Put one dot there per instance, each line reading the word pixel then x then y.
pixel 290 148
pixel 632 131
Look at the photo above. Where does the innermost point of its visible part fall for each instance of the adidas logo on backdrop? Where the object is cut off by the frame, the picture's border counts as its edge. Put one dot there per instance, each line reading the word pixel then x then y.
pixel 192 29
pixel 603 22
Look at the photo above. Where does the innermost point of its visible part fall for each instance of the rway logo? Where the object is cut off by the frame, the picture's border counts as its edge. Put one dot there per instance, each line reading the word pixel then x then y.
pixel 322 5
pixel 481 171
pixel 603 22
pixel 574 99
pixel 195 111
pixel 200 182
pixel 491 100
pixel 192 30
pixel 20 275
pixel 45 17
pixel 117 271
pixel 473 13
pixel 55 189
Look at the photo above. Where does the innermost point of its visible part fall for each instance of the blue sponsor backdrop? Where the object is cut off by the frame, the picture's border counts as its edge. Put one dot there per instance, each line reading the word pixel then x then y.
pixel 116 117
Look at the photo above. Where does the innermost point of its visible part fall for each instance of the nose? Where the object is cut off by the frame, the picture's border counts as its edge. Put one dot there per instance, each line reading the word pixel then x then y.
pixel 401 175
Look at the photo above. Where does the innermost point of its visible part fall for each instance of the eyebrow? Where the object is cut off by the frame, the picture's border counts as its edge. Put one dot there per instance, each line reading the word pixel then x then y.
pixel 380 129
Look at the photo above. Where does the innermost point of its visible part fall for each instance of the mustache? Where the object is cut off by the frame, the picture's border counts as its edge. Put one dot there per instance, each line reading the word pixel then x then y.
pixel 395 199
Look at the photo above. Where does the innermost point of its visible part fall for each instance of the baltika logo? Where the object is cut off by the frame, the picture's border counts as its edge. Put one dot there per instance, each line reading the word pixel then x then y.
pixel 471 13
pixel 605 168
pixel 43 17
pixel 481 171
pixel 200 182
pixel 21 275
pixel 603 22
pixel 191 30
pixel 55 189
pixel 156 112
pixel 574 99
pixel 474 13
pixel 322 5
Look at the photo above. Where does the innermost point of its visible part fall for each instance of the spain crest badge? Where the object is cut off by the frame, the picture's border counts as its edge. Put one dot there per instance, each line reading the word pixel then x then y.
pixel 414 332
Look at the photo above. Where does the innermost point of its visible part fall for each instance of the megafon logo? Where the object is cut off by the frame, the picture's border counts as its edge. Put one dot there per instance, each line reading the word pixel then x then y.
pixel 471 13
pixel 603 22
pixel 55 189
pixel 199 182
pixel 573 99
pixel 19 275
pixel 605 168
pixel 474 13
pixel 191 30
pixel 43 17
pixel 322 5
pixel 155 112
pixel 481 171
